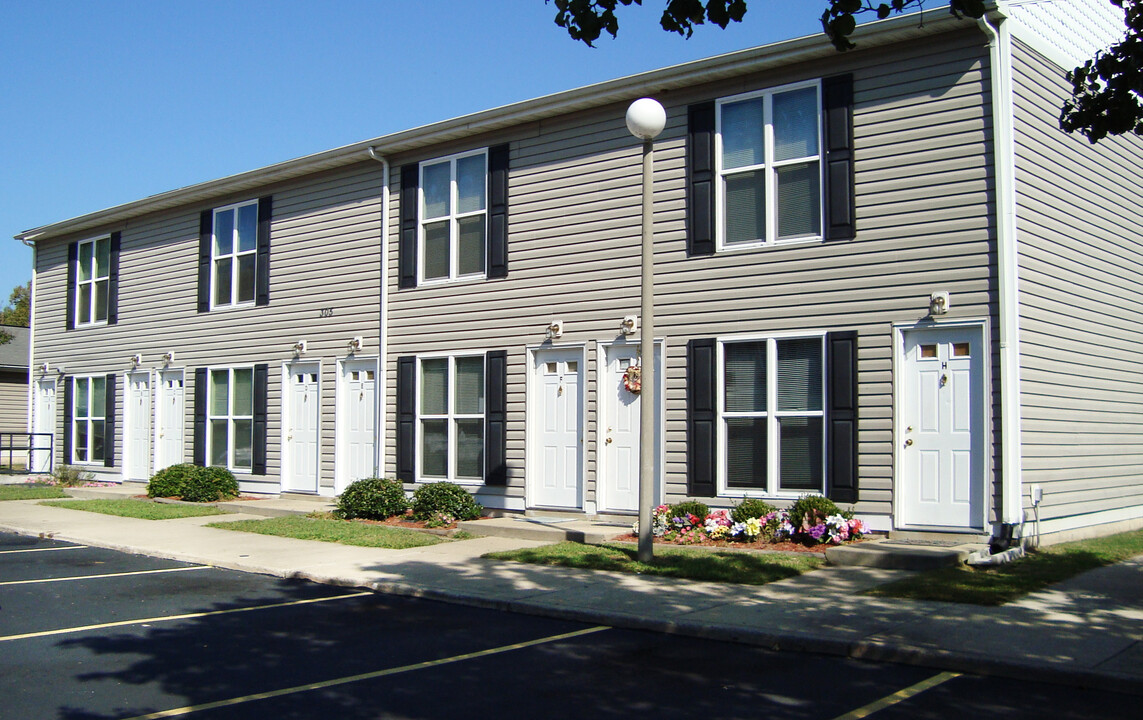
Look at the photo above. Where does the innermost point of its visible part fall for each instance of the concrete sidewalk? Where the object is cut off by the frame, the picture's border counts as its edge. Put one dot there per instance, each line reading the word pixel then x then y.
pixel 1086 632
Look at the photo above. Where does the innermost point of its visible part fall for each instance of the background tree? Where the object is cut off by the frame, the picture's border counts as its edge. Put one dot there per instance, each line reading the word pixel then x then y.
pixel 1106 90
pixel 19 310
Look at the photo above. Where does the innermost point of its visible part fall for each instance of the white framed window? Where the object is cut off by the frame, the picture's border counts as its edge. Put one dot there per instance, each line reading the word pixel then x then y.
pixel 771 415
pixel 768 156
pixel 453 220
pixel 230 418
pixel 234 254
pixel 450 401
pixel 89 419
pixel 92 281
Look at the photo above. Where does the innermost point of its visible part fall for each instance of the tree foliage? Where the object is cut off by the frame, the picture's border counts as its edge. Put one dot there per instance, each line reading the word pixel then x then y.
pixel 1106 90
pixel 18 312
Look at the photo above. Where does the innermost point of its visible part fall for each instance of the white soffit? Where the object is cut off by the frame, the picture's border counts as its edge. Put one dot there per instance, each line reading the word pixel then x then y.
pixel 1067 32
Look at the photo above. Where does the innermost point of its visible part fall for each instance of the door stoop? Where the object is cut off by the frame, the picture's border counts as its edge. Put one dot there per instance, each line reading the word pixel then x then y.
pixel 939 538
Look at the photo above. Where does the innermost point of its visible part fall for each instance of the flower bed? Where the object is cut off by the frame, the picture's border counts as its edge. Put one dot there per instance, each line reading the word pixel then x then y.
pixel 813 521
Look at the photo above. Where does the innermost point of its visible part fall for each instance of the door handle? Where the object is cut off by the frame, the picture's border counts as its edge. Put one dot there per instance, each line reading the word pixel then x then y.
pixel 908 442
pixel 608 441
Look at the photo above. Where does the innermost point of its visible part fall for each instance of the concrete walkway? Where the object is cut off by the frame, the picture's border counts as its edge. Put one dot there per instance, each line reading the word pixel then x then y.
pixel 1087 631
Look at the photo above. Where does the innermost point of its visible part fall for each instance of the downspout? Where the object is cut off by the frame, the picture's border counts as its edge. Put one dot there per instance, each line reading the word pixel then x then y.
pixel 31 337
pixel 383 343
pixel 1004 154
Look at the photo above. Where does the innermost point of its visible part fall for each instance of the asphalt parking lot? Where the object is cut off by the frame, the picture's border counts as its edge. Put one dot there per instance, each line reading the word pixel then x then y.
pixel 92 633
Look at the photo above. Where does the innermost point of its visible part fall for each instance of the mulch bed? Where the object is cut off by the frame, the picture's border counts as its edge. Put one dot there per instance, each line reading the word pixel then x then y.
pixel 758 545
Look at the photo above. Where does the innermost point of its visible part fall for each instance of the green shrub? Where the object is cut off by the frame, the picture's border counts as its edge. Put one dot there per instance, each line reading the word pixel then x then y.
pixel 193 483
pixel 692 507
pixel 71 476
pixel 751 508
pixel 373 499
pixel 444 497
pixel 809 510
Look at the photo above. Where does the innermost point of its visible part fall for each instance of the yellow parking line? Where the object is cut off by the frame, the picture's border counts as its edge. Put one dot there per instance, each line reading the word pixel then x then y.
pixel 69 547
pixel 899 696
pixel 168 618
pixel 108 575
pixel 176 712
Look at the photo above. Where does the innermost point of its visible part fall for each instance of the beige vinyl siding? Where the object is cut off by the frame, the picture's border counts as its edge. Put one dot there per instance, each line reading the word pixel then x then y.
pixel 323 255
pixel 923 184
pixel 1081 280
pixel 14 400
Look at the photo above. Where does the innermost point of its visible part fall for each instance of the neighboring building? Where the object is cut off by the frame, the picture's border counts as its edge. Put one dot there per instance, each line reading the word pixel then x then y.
pixel 884 275
pixel 14 380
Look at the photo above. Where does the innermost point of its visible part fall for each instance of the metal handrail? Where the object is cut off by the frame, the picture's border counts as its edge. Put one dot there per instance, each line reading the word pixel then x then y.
pixel 25 442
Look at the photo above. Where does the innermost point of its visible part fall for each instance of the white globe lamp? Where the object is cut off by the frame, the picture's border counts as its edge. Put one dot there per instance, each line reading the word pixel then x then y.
pixel 646 118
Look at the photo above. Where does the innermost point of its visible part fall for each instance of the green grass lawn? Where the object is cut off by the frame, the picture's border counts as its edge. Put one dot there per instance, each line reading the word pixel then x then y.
pixel 684 563
pixel 336 531
pixel 30 492
pixel 142 509
pixel 996 585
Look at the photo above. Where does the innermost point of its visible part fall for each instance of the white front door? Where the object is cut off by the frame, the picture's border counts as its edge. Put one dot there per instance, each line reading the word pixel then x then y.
pixel 942 435
pixel 300 467
pixel 555 422
pixel 619 423
pixel 356 421
pixel 169 419
pixel 41 459
pixel 137 433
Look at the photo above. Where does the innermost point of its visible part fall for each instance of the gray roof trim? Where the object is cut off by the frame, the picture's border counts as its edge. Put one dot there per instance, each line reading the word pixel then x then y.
pixel 631 87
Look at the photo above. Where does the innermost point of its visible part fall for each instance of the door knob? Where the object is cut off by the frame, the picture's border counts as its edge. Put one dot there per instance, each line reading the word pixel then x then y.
pixel 908 442
pixel 608 441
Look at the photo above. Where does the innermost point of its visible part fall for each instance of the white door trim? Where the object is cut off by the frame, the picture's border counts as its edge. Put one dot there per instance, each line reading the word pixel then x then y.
pixel 130 416
pixel 603 408
pixel 289 368
pixel 982 460
pixel 532 464
pixel 341 465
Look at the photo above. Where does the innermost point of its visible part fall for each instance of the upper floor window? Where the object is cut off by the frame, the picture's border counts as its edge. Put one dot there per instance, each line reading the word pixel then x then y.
pixel 451 409
pixel 230 418
pixel 769 167
pixel 234 254
pixel 92 281
pixel 772 415
pixel 89 419
pixel 453 217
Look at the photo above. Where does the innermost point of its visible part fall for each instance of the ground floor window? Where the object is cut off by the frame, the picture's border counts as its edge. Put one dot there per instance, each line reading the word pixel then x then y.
pixel 230 418
pixel 89 419
pixel 771 415
pixel 451 418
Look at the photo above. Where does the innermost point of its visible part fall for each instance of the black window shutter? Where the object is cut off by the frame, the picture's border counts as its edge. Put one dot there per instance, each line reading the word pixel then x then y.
pixel 200 381
pixel 109 422
pixel 837 133
pixel 702 372
pixel 113 280
pixel 407 418
pixel 498 211
pixel 205 231
pixel 407 241
pixel 841 417
pixel 72 260
pixel 261 418
pixel 262 262
pixel 496 417
pixel 700 179
pixel 69 415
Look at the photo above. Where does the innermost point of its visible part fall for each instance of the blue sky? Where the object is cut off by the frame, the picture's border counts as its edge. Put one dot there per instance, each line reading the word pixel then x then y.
pixel 102 103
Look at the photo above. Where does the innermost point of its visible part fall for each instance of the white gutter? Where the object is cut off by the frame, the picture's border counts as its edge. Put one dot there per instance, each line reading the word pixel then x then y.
pixel 1008 260
pixel 382 387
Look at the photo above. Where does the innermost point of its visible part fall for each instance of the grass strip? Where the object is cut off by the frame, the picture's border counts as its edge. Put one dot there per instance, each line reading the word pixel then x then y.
pixel 30 492
pixel 141 509
pixel 335 531
pixel 745 568
pixel 999 584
